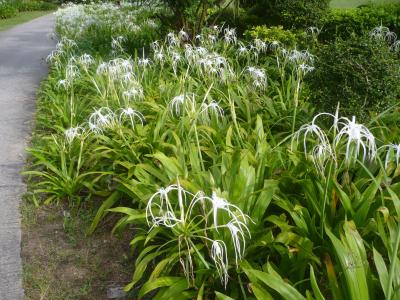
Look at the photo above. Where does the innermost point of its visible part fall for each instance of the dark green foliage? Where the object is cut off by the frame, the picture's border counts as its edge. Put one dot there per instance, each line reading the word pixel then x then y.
pixel 7 11
pixel 361 73
pixel 36 6
pixel 273 33
pixel 342 23
pixel 10 9
pixel 290 13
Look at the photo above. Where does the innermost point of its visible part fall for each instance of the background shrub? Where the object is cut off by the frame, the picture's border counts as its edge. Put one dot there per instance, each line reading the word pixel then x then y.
pixel 36 6
pixel 7 10
pixel 360 73
pixel 273 33
pixel 289 13
pixel 343 23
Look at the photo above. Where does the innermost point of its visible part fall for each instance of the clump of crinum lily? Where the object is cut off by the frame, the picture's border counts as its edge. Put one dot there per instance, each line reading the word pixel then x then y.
pixel 208 227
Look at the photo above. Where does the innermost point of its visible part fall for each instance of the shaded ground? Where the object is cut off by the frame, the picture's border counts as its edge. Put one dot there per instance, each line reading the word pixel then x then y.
pixel 61 262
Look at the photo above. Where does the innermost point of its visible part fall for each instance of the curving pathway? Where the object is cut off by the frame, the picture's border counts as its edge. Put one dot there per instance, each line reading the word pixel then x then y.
pixel 22 67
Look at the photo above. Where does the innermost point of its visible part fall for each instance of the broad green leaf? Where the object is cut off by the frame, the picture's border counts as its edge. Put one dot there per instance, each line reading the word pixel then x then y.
pixel 314 285
pixel 260 292
pixel 382 270
pixel 221 296
pixel 276 283
pixel 102 211
pixel 350 252
pixel 158 283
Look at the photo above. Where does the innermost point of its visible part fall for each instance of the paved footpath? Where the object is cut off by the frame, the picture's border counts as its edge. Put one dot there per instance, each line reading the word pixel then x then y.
pixel 22 67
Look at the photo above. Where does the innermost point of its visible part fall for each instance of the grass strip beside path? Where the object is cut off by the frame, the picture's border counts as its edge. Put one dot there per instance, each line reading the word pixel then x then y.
pixel 22 17
pixel 355 3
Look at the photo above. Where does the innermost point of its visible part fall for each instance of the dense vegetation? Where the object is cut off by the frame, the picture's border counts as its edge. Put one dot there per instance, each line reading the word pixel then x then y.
pixel 10 8
pixel 216 155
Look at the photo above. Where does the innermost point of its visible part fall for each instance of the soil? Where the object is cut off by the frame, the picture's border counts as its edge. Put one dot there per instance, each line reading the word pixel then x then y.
pixel 61 262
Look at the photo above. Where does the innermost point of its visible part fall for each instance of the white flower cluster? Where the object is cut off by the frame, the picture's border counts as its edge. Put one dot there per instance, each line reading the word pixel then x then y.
pixel 104 118
pixel 185 104
pixel 355 138
pixel 173 207
pixel 75 19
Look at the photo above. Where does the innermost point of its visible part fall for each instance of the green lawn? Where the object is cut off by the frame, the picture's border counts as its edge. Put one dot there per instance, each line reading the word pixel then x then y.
pixel 21 18
pixel 355 3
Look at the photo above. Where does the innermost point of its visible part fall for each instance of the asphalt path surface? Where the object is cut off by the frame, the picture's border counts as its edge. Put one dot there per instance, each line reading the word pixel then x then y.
pixel 23 50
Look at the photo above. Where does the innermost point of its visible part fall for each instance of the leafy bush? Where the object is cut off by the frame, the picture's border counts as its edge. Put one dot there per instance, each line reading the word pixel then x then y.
pixel 361 73
pixel 340 23
pixel 7 10
pixel 36 6
pixel 290 13
pixel 273 33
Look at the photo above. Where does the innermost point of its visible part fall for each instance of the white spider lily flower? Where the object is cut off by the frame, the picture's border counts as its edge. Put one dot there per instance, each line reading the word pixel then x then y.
pixel 159 56
pixel 219 254
pixel 134 28
pixel 183 35
pixel 238 230
pixel 219 203
pixel 212 38
pixel 116 43
pixel 160 211
pixel 209 109
pixel 274 45
pixel 155 46
pixel 383 33
pixel 71 71
pixel 313 30
pixel 176 57
pixel 102 68
pixel 172 39
pixel 100 119
pixel 312 129
pixel 304 68
pixel 151 23
pixel 72 133
pixel 63 83
pixel 182 101
pixel 358 134
pixel 321 155
pixel 395 46
pixel 65 44
pixel 242 50
pixel 258 76
pixel 391 148
pixel 144 62
pixel 128 77
pixel 132 115
pixel 230 35
pixel 260 45
pixel 190 53
pixel 54 55
pixel 85 60
pixel 198 37
pixel 298 57
pixel 134 92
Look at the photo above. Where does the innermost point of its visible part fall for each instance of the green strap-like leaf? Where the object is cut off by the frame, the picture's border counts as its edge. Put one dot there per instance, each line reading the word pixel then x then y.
pixel 276 283
pixel 314 285
pixel 158 283
pixel 382 270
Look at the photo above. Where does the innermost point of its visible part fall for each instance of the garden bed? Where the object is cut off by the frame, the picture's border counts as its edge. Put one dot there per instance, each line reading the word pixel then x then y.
pixel 216 156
